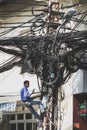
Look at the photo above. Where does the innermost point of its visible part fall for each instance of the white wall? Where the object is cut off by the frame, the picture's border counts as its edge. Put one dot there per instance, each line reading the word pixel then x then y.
pixel 65 108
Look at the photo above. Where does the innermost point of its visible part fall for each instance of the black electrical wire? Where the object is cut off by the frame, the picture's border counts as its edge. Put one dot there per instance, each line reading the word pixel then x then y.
pixel 10 51
pixel 33 10
pixel 75 41
pixel 24 26
pixel 8 31
pixel 10 65
pixel 17 26
pixel 81 19
pixel 80 13
pixel 51 83
pixel 7 61
pixel 8 16
pixel 7 23
pixel 65 36
pixel 21 11
pixel 25 3
pixel 73 5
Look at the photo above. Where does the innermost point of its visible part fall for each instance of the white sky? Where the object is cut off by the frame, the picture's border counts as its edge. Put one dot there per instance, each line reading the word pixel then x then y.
pixel 12 81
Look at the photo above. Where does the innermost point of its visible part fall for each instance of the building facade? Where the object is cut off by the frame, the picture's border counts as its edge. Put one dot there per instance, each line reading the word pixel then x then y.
pixel 20 118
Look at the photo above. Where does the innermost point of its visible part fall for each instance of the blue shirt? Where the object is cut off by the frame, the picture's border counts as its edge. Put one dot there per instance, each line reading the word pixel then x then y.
pixel 24 94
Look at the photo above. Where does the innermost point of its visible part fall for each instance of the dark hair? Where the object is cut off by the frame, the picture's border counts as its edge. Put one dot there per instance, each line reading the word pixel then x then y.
pixel 26 81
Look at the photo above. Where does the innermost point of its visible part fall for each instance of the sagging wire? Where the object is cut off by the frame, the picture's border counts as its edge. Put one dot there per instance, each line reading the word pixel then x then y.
pixel 51 83
pixel 73 5
pixel 80 13
pixel 67 19
pixel 12 29
pixel 9 51
pixel 34 24
pixel 81 19
pixel 7 23
pixel 10 60
pixel 5 62
pixel 33 10
pixel 25 3
pixel 64 78
pixel 19 15
pixel 70 17
pixel 23 15
pixel 74 36
pixel 25 10
pixel 10 65
pixel 20 26
pixel 25 26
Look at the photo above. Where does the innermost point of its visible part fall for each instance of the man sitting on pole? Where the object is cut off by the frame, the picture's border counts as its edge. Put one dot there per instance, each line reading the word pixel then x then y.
pixel 26 98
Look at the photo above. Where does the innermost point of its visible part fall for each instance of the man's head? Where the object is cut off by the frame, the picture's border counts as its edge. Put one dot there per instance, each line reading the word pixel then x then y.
pixel 26 83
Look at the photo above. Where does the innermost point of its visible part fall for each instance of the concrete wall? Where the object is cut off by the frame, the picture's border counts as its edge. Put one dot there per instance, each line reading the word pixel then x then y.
pixel 79 83
pixel 65 108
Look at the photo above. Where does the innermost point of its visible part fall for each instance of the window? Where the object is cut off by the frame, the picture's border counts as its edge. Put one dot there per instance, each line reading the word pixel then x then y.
pixel 21 121
pixel 20 116
pixel 28 116
pixel 12 126
pixel 20 126
pixel 12 117
pixel 29 126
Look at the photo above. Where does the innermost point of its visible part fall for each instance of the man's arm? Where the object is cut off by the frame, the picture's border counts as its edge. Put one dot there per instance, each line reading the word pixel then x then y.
pixel 26 93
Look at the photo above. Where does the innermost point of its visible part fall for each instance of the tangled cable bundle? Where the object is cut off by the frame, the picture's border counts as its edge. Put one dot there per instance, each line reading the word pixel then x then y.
pixel 53 55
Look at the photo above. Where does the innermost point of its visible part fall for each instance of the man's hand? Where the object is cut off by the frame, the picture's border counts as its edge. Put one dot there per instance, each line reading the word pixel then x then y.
pixel 33 91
